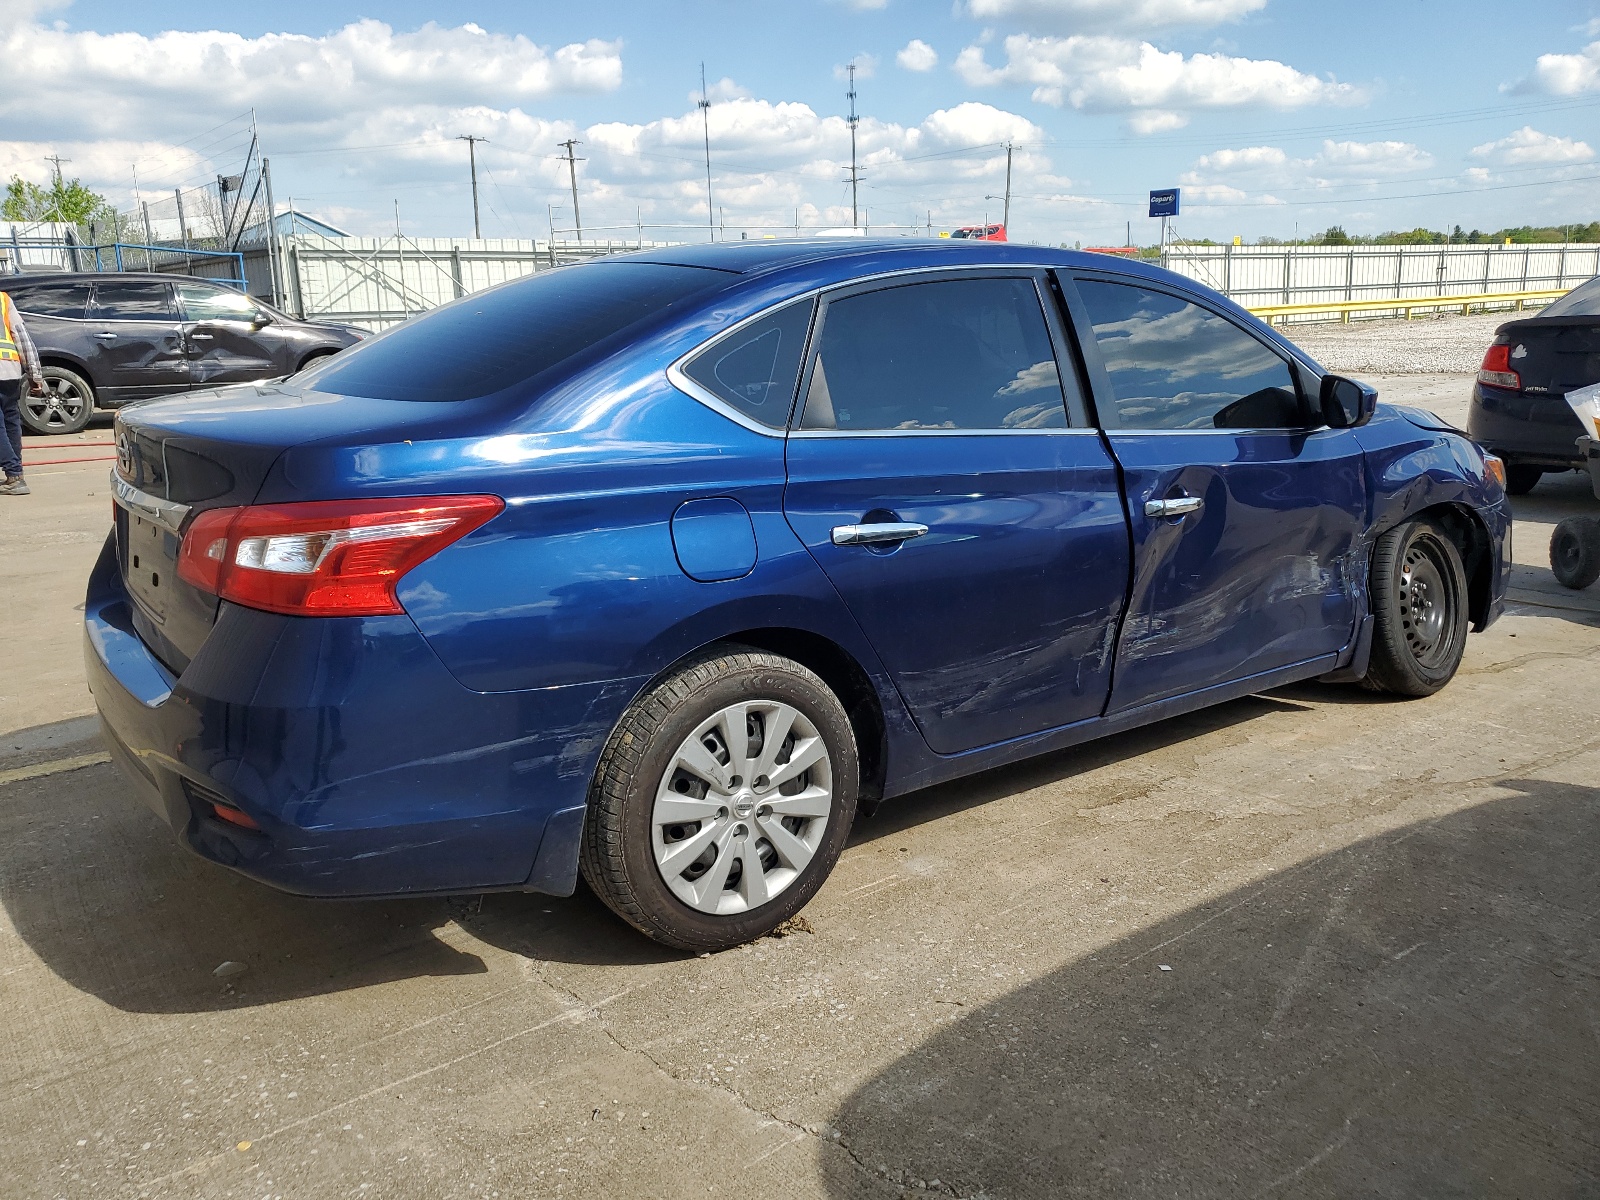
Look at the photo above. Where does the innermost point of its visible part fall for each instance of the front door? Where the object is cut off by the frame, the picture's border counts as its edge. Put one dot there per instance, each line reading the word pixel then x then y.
pixel 139 346
pixel 231 338
pixel 1247 514
pixel 975 532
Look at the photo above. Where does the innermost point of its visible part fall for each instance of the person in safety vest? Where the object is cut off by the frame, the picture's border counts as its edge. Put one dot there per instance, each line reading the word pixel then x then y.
pixel 18 358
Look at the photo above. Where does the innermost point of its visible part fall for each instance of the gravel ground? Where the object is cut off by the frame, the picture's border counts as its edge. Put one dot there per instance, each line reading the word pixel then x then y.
pixel 1424 346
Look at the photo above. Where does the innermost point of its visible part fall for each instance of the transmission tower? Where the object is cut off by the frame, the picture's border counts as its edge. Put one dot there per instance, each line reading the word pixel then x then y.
pixel 855 176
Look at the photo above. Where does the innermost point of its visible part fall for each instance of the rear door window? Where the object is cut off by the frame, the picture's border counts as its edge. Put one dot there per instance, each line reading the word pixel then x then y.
pixel 52 299
pixel 754 369
pixel 1175 365
pixel 947 354
pixel 132 300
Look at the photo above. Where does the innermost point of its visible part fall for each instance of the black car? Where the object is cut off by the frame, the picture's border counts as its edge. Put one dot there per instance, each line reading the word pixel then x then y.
pixel 1519 408
pixel 107 339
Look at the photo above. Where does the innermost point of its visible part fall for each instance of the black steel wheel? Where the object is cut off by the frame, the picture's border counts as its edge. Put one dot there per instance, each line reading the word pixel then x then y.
pixel 1522 478
pixel 1575 552
pixel 65 407
pixel 1419 600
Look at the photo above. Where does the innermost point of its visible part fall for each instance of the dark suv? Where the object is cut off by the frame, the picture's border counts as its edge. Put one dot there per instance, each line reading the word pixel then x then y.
pixel 107 339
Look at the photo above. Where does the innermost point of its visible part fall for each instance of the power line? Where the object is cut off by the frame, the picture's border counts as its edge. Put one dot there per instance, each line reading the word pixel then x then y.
pixel 472 141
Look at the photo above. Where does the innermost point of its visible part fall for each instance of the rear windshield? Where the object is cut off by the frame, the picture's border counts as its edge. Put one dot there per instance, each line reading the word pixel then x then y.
pixel 1581 301
pixel 490 341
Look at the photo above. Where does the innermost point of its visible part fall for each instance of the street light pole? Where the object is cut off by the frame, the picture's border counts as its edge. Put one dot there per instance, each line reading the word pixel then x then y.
pixel 472 141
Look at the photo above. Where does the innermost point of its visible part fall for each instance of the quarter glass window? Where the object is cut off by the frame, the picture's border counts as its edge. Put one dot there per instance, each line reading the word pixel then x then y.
pixel 754 370
pixel 951 354
pixel 1175 365
pixel 53 300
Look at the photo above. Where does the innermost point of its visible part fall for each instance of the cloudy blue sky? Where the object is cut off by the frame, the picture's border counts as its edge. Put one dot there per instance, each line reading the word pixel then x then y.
pixel 1273 115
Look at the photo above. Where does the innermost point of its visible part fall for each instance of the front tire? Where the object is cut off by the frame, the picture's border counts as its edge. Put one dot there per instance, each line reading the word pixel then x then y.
pixel 1575 552
pixel 722 800
pixel 66 406
pixel 1419 600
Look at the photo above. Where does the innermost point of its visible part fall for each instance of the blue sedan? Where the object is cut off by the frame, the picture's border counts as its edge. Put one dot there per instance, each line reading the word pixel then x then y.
pixel 664 567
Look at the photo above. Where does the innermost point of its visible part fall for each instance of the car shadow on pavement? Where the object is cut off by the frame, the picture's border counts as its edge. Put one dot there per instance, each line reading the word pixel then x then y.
pixel 1413 1015
pixel 932 804
pixel 100 890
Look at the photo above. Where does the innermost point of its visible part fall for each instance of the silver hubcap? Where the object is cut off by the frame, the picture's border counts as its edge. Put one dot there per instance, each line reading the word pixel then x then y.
pixel 742 807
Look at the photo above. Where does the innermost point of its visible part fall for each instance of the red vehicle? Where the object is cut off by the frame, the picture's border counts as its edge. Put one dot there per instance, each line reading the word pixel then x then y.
pixel 982 233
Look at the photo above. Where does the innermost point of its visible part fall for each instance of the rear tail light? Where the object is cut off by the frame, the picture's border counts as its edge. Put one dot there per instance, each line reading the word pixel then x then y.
pixel 1496 370
pixel 331 558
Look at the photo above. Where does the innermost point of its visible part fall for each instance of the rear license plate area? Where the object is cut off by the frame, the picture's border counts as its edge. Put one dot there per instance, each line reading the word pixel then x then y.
pixel 149 556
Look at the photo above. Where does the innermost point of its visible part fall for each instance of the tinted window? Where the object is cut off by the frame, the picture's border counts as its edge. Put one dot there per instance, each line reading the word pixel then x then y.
pixel 755 369
pixel 956 354
pixel 132 300
pixel 1175 365
pixel 1583 301
pixel 202 303
pixel 52 300
pixel 489 341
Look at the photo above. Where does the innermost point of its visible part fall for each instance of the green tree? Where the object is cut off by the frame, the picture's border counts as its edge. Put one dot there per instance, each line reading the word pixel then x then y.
pixel 1335 236
pixel 65 201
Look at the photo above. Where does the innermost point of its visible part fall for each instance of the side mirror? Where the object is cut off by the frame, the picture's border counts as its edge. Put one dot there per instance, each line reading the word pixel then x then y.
pixel 1345 403
pixel 262 320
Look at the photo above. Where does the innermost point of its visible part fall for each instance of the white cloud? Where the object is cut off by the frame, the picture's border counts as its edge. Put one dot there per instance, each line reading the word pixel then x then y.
pixel 1156 120
pixel 1565 74
pixel 1108 74
pixel 865 5
pixel 1528 145
pixel 1129 15
pixel 1225 176
pixel 918 56
pixel 866 67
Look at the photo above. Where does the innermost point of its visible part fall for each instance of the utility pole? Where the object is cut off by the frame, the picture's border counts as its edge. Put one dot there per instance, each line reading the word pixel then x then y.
pixel 60 186
pixel 855 176
pixel 1006 218
pixel 274 250
pixel 705 121
pixel 472 141
pixel 572 174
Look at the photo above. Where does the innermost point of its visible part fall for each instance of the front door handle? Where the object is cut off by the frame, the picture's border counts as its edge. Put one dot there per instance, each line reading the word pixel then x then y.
pixel 879 533
pixel 1178 506
pixel 200 337
pixel 106 337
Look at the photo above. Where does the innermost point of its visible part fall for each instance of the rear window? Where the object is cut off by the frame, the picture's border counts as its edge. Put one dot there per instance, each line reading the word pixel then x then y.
pixel 495 339
pixel 1582 301
pixel 52 299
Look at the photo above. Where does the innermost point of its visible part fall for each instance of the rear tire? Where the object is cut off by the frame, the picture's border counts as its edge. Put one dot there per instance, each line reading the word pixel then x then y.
pixel 1575 552
pixel 701 833
pixel 66 406
pixel 1521 478
pixel 1419 600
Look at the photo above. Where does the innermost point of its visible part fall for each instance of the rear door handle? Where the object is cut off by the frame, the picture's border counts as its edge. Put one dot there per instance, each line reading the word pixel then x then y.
pixel 200 337
pixel 877 534
pixel 1178 506
pixel 106 337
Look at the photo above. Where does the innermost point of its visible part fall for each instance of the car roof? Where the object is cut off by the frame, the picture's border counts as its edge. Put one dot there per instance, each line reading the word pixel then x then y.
pixel 759 257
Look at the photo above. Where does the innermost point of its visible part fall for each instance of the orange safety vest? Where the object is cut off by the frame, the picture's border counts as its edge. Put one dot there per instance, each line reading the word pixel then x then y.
pixel 8 343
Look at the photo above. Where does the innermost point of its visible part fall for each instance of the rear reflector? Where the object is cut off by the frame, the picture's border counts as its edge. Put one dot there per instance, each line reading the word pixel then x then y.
pixel 1496 370
pixel 328 558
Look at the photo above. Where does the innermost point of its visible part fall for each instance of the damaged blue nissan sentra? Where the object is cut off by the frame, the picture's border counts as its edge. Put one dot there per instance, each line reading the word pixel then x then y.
pixel 663 567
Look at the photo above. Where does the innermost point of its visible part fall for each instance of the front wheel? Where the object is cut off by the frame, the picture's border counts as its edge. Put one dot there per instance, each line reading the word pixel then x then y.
pixel 65 407
pixel 722 800
pixel 1419 600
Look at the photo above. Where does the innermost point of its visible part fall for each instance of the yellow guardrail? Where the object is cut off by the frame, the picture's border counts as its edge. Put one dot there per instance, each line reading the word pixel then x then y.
pixel 1273 312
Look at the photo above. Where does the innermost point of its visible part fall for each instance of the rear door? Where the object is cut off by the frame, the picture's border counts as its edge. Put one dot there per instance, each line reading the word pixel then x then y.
pixel 945 478
pixel 230 337
pixel 1247 515
pixel 140 346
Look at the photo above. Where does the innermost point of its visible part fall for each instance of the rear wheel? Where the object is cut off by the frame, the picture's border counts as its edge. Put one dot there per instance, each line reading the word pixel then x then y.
pixel 722 800
pixel 1575 552
pixel 1419 600
pixel 1521 478
pixel 65 407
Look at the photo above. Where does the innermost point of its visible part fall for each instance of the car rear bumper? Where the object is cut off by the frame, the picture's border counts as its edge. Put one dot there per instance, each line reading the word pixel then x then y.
pixel 369 770
pixel 1538 430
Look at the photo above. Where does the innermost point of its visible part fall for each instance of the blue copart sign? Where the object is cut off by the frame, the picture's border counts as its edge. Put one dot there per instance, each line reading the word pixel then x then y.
pixel 1164 203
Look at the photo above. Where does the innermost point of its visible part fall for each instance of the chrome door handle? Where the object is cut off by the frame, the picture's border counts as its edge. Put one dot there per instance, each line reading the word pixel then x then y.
pixel 877 534
pixel 201 337
pixel 105 337
pixel 1178 506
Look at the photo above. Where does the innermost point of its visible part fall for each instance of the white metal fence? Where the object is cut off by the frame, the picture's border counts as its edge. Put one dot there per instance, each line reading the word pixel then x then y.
pixel 1260 275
